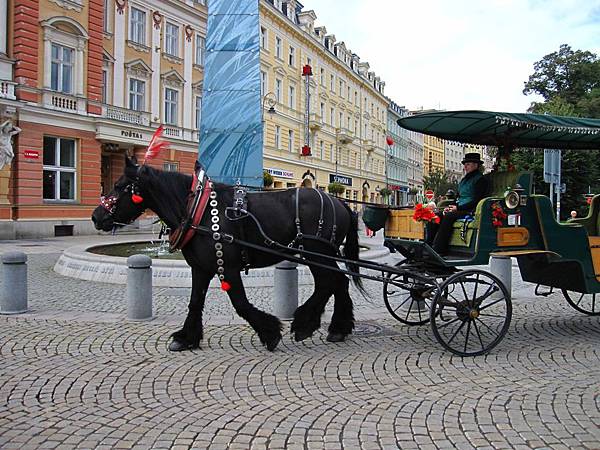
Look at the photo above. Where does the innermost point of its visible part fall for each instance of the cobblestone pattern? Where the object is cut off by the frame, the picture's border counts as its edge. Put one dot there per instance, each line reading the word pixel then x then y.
pixel 97 381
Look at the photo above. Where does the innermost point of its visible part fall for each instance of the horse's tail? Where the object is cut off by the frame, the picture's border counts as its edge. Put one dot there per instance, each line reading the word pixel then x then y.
pixel 351 249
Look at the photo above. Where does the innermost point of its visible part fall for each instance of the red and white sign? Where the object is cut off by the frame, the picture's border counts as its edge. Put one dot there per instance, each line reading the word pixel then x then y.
pixel 31 154
pixel 429 194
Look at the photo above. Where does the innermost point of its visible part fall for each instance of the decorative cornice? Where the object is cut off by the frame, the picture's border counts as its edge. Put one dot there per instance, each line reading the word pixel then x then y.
pixel 69 4
pixel 137 46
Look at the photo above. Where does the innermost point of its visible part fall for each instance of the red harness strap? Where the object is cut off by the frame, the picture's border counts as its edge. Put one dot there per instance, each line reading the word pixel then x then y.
pixel 195 210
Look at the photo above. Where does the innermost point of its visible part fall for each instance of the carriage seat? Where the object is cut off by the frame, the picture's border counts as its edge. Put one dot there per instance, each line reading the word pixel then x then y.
pixel 498 182
pixel 591 222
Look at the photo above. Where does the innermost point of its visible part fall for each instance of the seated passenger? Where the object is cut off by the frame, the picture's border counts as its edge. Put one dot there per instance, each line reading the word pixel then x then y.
pixel 472 188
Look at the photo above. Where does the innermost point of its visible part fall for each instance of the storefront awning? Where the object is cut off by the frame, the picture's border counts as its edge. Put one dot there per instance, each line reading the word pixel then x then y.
pixel 508 130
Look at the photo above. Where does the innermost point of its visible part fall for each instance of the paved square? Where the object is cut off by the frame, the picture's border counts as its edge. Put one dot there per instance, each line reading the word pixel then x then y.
pixel 75 374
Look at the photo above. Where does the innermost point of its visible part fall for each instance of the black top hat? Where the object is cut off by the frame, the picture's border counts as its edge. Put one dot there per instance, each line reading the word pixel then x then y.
pixel 472 157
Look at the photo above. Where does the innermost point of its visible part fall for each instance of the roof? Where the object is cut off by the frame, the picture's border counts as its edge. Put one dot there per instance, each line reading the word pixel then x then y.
pixel 507 129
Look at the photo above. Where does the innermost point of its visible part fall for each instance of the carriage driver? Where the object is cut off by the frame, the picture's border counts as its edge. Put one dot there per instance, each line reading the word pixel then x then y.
pixel 471 189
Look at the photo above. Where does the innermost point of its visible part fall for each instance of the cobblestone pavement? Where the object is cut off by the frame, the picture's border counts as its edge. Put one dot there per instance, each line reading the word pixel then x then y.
pixel 75 374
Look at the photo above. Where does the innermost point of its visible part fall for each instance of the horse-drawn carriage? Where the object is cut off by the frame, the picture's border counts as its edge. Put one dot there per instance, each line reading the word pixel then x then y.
pixel 223 230
pixel 564 256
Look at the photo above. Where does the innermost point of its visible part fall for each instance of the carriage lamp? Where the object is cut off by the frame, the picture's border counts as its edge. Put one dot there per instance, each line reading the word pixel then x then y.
pixel 514 197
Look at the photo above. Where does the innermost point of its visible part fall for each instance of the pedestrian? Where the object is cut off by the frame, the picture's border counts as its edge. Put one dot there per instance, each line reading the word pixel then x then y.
pixel 471 189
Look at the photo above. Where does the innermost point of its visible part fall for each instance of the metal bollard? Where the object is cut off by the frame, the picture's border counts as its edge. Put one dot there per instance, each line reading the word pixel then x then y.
pixel 14 287
pixel 285 290
pixel 501 266
pixel 139 288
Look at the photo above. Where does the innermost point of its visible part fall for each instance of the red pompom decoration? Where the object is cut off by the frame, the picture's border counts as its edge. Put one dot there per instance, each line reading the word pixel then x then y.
pixel 389 140
pixel 137 199
pixel 225 286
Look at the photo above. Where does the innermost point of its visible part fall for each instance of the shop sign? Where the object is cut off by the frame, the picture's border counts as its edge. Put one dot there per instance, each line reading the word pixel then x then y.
pixel 346 181
pixel 397 187
pixel 280 173
pixel 31 154
pixel 131 134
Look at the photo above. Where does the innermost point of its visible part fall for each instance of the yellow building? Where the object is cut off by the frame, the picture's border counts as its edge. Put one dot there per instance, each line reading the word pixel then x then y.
pixel 347 121
pixel 433 154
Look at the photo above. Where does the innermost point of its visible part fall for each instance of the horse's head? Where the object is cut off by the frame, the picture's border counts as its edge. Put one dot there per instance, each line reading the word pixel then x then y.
pixel 123 204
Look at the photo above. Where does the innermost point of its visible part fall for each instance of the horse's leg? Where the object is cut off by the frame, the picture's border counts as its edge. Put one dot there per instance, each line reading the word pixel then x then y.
pixel 307 317
pixel 342 321
pixel 267 326
pixel 191 334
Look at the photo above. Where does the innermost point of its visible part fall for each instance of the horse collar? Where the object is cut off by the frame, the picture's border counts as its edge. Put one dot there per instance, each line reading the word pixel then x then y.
pixel 201 192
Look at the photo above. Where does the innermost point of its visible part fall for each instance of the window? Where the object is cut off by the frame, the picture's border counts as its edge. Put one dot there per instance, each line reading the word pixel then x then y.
pixel 198 111
pixel 59 169
pixel 263 38
pixel 322 149
pixel 199 50
pixel 171 106
pixel 263 82
pixel 332 117
pixel 172 39
pixel 322 77
pixel 292 97
pixel 104 92
pixel 291 140
pixel 322 111
pixel 292 56
pixel 277 136
pixel 341 121
pixel 332 83
pixel 137 26
pixel 331 158
pixel 106 25
pixel 278 84
pixel 341 93
pixel 277 47
pixel 136 94
pixel 171 166
pixel 61 72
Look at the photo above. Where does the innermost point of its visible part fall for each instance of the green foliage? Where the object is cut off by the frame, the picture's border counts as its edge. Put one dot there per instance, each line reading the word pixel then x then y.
pixel 336 188
pixel 568 74
pixel 569 82
pixel 267 179
pixel 439 182
pixel 385 192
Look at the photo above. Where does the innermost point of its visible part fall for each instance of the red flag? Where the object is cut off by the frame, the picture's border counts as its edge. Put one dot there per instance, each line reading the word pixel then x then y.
pixel 156 144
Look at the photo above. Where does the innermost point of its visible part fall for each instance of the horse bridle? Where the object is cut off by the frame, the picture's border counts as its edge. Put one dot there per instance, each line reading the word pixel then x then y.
pixel 109 202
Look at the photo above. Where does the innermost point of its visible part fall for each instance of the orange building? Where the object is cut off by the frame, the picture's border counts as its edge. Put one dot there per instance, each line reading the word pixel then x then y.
pixel 88 82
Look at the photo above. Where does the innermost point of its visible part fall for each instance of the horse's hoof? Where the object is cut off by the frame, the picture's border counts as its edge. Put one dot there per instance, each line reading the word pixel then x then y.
pixel 336 337
pixel 271 344
pixel 301 335
pixel 178 346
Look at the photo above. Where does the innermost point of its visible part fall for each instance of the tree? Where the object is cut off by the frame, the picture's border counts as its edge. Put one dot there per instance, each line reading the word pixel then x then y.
pixel 439 182
pixel 567 74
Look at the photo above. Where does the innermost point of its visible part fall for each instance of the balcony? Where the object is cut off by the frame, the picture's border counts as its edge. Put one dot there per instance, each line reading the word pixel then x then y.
pixel 171 131
pixel 64 102
pixel 368 145
pixel 7 90
pixel 344 136
pixel 315 122
pixel 126 115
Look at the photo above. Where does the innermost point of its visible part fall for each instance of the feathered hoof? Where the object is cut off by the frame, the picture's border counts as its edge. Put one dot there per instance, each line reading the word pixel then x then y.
pixel 336 337
pixel 300 335
pixel 271 344
pixel 179 346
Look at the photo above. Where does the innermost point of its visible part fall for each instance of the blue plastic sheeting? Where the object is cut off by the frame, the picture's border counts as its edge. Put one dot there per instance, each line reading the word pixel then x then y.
pixel 231 133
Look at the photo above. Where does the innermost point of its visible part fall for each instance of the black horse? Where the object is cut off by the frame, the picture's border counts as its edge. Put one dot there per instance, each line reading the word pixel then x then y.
pixel 168 194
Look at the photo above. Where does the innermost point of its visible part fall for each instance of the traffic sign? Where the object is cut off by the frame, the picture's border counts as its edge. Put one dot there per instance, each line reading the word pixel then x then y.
pixel 429 194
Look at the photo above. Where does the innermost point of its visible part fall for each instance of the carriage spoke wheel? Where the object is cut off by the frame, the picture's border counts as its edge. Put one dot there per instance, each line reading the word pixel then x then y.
pixel 408 297
pixel 472 313
pixel 586 303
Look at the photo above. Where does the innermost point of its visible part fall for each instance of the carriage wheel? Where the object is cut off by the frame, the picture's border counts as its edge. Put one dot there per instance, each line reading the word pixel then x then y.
pixel 408 297
pixel 586 303
pixel 472 313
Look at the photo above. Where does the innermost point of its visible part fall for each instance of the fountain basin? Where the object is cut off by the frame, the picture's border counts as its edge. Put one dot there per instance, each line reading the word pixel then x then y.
pixel 81 262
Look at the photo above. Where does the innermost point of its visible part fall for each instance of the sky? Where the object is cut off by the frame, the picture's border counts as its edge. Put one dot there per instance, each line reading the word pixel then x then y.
pixel 459 54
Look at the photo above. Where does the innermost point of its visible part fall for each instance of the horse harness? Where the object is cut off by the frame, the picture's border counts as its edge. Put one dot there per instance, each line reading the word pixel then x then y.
pixel 202 194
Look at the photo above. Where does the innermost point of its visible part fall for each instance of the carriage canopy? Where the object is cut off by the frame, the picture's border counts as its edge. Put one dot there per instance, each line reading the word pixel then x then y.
pixel 508 130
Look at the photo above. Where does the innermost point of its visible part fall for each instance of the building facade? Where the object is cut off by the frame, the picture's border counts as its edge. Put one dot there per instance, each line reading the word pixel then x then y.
pixel 397 167
pixel 88 82
pixel 453 155
pixel 345 124
pixel 415 166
